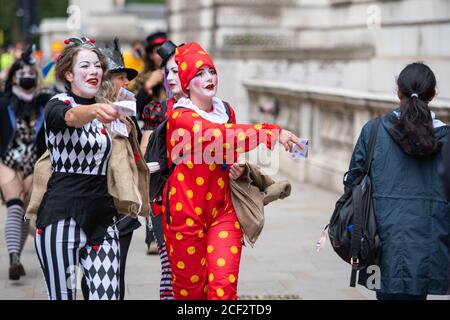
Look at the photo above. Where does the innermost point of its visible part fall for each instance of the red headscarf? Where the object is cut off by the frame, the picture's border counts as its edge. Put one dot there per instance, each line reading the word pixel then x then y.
pixel 190 58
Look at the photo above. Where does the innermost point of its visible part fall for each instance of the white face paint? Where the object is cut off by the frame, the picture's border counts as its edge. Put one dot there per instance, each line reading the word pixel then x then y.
pixel 172 76
pixel 204 84
pixel 86 75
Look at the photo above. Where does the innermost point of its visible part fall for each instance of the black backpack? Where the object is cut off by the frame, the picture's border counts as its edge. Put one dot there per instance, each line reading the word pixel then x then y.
pixel 157 152
pixel 352 229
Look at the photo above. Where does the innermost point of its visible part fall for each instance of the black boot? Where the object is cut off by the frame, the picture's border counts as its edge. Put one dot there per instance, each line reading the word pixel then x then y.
pixel 16 269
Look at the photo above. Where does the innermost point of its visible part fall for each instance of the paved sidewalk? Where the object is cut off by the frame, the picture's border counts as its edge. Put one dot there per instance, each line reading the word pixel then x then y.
pixel 283 265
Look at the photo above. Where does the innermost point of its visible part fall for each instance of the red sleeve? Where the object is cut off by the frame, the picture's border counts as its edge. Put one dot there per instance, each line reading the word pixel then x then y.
pixel 218 140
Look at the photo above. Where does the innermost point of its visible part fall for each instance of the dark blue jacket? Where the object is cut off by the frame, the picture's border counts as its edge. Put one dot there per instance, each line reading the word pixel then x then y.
pixel 8 127
pixel 412 213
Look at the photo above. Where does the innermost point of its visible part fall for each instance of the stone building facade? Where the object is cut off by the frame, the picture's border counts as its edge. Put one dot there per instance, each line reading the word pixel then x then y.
pixel 327 65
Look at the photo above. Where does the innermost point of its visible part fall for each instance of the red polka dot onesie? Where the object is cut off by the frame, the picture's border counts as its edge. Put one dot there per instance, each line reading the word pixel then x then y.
pixel 203 235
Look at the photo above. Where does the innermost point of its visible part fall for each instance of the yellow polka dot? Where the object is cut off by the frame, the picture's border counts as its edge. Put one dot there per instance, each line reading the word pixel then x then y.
pixel 181 132
pixel 171 249
pixel 201 234
pixel 232 278
pixel 220 292
pixel 241 136
pixel 214 212
pixel 220 183
pixel 163 208
pixel 228 125
pixel 194 278
pixel 187 146
pixel 226 145
pixel 234 249
pixel 223 234
pixel 173 190
pixel 203 261
pixel 191 250
pixel 189 164
pixel 237 225
pixel 200 181
pixel 179 206
pixel 205 289
pixel 196 128
pixel 190 194
pixel 240 150
pixel 258 127
pixel 209 196
pixel 201 139
pixel 269 132
pixel 184 292
pixel 195 115
pixel 214 223
pixel 216 132
pixel 165 239
pixel 168 125
pixel 180 177
pixel 210 249
pixel 183 66
pixel 221 262
pixel 198 64
pixel 174 278
pixel 201 52
pixel 179 236
pixel 212 166
pixel 198 210
pixel 181 265
pixel 172 142
pixel 175 115
pixel 177 52
pixel 211 277
pixel 189 222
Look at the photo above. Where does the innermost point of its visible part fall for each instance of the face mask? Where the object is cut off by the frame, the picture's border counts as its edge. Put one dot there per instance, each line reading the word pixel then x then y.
pixel 27 82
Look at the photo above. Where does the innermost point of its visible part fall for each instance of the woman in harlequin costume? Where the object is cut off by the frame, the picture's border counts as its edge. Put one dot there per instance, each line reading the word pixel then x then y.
pixel 21 142
pixel 76 218
pixel 202 232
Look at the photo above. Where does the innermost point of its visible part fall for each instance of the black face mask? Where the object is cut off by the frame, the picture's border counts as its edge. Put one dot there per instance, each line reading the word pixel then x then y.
pixel 27 82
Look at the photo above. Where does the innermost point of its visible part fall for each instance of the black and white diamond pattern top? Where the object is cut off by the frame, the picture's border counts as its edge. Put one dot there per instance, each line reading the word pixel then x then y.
pixel 84 150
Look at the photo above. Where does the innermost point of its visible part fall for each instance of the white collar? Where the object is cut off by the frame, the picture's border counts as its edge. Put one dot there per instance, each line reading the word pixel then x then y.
pixel 436 122
pixel 217 115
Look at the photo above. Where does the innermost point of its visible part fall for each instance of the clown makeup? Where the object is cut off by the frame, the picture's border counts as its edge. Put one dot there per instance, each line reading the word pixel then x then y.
pixel 204 84
pixel 172 78
pixel 86 74
pixel 120 80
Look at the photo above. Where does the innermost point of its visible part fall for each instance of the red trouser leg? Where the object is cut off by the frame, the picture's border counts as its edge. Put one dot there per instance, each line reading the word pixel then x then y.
pixel 186 246
pixel 224 247
pixel 205 261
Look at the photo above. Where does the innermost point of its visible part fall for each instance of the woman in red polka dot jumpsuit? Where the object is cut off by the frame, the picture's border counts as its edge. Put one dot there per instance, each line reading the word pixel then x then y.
pixel 201 229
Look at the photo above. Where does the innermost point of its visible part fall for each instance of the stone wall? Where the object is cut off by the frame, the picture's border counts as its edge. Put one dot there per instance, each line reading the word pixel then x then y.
pixel 358 46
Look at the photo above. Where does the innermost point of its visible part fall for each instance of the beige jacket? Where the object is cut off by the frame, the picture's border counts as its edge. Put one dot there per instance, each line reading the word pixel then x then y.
pixel 128 177
pixel 249 197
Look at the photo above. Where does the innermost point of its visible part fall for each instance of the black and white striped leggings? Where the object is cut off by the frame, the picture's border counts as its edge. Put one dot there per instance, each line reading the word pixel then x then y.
pixel 61 248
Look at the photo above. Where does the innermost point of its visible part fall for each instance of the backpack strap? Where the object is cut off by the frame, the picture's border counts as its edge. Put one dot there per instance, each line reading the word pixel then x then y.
pixel 371 145
pixel 227 110
pixel 358 206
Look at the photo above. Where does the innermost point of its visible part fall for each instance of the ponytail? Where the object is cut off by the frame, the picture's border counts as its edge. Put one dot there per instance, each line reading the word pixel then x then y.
pixel 413 130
